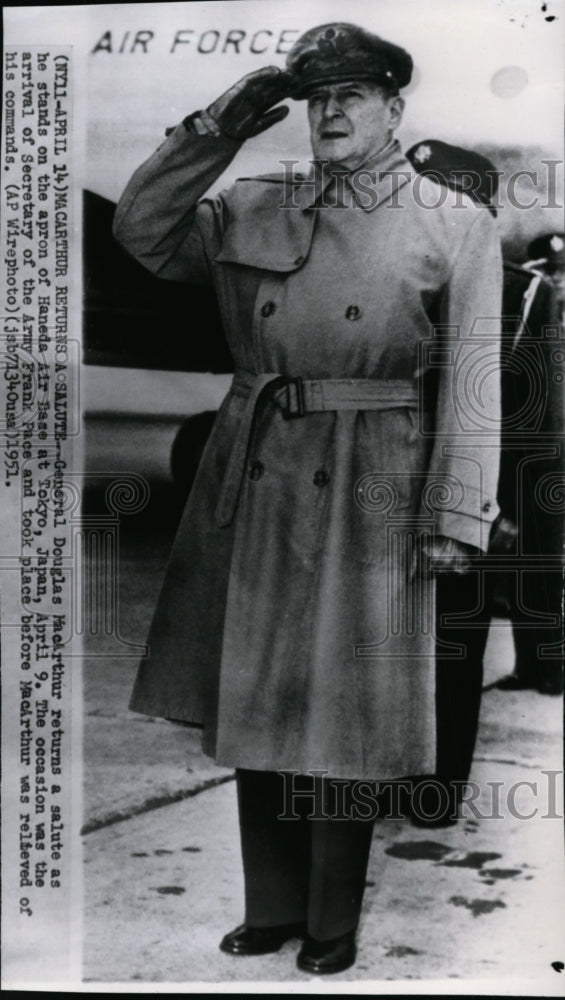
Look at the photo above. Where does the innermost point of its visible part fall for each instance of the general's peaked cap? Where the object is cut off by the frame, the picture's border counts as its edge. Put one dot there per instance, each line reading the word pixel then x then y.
pixel 551 247
pixel 341 51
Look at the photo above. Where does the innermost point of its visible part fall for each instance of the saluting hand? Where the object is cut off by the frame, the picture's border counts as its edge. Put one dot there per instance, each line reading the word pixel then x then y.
pixel 246 109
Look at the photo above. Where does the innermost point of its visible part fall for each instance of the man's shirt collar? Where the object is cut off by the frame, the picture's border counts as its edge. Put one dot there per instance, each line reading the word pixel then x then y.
pixel 370 184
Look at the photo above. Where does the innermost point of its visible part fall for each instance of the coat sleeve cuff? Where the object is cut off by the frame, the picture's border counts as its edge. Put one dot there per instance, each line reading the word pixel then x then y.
pixel 466 528
pixel 202 123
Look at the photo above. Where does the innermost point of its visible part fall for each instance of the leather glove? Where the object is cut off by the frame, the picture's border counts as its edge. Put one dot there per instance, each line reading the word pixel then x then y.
pixel 243 111
pixel 444 555
pixel 503 536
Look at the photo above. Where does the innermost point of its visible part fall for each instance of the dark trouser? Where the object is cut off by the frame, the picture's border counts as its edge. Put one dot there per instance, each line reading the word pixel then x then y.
pixel 462 619
pixel 539 647
pixel 463 613
pixel 301 869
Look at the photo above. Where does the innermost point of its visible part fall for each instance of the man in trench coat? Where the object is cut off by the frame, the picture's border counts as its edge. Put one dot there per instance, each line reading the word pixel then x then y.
pixel 358 443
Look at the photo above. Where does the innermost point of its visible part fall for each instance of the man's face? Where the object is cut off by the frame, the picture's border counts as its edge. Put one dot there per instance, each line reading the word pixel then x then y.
pixel 351 121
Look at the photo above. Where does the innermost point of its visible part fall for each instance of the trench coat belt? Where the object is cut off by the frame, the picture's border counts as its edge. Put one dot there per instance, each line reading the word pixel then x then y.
pixel 298 397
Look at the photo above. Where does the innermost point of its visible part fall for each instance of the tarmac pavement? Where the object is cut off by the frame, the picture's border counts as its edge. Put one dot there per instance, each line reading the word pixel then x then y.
pixel 477 906
pixel 481 900
pixel 478 901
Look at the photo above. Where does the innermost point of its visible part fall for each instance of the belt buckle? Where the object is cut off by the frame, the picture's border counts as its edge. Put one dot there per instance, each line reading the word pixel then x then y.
pixel 290 412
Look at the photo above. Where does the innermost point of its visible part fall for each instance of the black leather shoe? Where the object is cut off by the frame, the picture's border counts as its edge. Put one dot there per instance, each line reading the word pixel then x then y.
pixel 512 682
pixel 325 957
pixel 246 940
pixel 434 822
pixel 551 685
pixel 435 805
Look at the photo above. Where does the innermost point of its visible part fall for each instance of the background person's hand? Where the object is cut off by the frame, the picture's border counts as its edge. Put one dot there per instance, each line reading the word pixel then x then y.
pixel 246 109
pixel 503 536
pixel 444 555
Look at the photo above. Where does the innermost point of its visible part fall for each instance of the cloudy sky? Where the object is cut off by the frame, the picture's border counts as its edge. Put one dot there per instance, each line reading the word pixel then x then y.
pixel 487 71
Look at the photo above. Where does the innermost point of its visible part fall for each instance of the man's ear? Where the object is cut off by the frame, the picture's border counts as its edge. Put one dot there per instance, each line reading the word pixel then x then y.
pixel 396 110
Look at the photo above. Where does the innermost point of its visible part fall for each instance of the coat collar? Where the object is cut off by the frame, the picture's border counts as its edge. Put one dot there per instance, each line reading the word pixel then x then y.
pixel 375 182
pixel 270 226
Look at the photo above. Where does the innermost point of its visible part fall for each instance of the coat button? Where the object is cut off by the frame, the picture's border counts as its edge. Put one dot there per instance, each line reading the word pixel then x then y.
pixel 352 312
pixel 256 470
pixel 321 478
pixel 267 309
pixel 486 507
